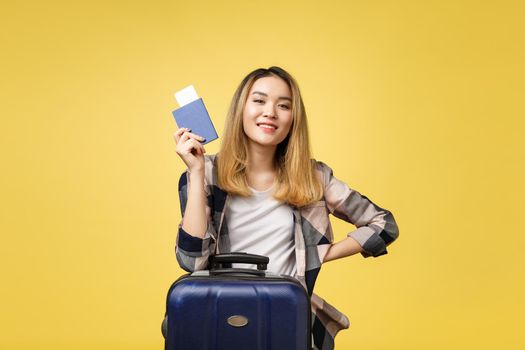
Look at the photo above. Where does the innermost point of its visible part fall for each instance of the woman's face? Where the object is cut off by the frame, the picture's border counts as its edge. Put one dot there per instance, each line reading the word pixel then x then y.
pixel 267 114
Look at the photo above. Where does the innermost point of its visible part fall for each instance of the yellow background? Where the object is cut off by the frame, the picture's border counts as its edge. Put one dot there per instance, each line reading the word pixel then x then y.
pixel 416 104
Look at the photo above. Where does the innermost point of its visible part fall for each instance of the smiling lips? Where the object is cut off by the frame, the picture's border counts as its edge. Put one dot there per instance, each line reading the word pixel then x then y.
pixel 267 127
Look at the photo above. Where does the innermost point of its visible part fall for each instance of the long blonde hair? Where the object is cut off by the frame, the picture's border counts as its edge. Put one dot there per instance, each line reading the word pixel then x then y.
pixel 297 181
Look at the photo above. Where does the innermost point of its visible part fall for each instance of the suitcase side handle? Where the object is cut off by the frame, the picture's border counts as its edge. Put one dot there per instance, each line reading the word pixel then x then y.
pixel 225 260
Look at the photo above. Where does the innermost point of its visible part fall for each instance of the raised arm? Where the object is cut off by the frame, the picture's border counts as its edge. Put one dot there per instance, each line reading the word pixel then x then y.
pixel 196 233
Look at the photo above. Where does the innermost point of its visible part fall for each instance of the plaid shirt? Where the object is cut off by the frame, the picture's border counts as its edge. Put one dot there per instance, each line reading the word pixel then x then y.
pixel 313 236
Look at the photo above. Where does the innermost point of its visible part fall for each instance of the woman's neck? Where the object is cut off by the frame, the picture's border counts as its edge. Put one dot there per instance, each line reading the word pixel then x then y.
pixel 261 167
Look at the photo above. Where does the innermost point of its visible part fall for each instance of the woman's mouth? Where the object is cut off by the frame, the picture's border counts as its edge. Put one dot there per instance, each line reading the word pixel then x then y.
pixel 267 127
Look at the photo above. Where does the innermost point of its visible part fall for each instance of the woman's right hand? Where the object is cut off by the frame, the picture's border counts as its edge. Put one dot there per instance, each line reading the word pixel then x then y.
pixel 190 149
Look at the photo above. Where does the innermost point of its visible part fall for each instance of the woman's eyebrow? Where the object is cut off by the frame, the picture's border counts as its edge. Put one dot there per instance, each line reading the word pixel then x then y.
pixel 266 95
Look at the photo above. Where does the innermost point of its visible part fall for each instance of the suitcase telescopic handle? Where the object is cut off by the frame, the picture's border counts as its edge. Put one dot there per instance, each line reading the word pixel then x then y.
pixel 225 260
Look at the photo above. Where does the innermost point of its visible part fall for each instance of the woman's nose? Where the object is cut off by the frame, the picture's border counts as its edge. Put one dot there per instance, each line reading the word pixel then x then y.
pixel 269 111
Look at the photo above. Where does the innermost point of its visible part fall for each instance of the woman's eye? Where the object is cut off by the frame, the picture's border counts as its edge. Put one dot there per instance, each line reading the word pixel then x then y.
pixel 284 106
pixel 258 101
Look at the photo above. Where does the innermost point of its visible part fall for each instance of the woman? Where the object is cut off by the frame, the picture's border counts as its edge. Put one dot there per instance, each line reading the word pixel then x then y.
pixel 263 194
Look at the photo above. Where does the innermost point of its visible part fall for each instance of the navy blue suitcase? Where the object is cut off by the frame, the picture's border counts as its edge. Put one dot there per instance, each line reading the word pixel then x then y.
pixel 228 308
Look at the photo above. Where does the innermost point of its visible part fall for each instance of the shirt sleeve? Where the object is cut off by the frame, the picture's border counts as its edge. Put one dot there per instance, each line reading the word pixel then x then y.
pixel 375 226
pixel 192 252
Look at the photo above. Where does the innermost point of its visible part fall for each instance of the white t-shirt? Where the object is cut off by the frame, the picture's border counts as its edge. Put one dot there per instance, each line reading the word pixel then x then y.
pixel 261 225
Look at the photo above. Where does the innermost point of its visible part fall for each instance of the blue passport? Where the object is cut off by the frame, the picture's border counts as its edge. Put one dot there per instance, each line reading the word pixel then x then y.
pixel 195 117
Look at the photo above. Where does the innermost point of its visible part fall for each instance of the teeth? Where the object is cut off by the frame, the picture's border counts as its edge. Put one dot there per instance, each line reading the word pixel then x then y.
pixel 266 126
